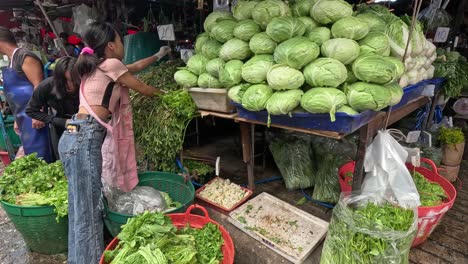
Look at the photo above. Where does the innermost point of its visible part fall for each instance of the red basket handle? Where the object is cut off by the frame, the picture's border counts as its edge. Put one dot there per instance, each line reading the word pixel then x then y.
pixel 430 163
pixel 196 206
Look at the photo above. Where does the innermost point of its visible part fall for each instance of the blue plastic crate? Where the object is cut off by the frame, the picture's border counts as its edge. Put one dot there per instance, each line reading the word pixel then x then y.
pixel 344 123
pixel 409 94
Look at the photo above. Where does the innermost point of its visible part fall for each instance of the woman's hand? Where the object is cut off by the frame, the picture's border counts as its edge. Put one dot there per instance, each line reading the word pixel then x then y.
pixel 163 51
pixel 37 124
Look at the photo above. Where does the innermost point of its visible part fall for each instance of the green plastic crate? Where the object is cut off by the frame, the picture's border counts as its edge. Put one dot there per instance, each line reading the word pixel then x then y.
pixel 171 183
pixel 39 228
pixel 14 138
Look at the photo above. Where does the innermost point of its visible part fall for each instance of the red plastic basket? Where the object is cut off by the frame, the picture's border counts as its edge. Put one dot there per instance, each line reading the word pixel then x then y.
pixel 217 206
pixel 5 158
pixel 428 216
pixel 195 221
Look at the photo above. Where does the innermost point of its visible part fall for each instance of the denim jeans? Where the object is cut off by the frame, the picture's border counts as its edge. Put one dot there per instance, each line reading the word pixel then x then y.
pixel 80 152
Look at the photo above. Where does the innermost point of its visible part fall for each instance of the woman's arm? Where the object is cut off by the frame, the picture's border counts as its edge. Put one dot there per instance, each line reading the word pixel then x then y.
pixel 142 64
pixel 33 70
pixel 133 83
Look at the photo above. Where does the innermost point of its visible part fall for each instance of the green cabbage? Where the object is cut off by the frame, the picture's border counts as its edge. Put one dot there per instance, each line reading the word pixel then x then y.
pixel 230 75
pixel 205 80
pixel 374 22
pixel 375 69
pixel 214 67
pixel 323 100
pixel 237 92
pixel 376 43
pixel 246 29
pixel 200 41
pixel 255 70
pixel 266 10
pixel 344 50
pixel 398 33
pixel 284 102
pixel 302 7
pixel 347 110
pixel 243 10
pixel 211 49
pixel 185 78
pixel 282 77
pixel 223 30
pixel 261 43
pixel 367 96
pixel 256 97
pixel 330 11
pixel 212 18
pixel 396 93
pixel 351 77
pixel 319 35
pixel 325 72
pixel 309 23
pixel 350 28
pixel 283 28
pixel 197 64
pixel 400 66
pixel 235 49
pixel 296 52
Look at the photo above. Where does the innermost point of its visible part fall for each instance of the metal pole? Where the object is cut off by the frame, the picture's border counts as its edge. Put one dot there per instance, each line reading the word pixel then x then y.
pixel 51 25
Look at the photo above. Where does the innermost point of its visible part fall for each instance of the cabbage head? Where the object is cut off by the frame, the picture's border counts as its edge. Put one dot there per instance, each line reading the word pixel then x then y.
pixel 344 50
pixel 374 22
pixel 319 35
pixel 243 10
pixel 296 52
pixel 325 72
pixel 284 102
pixel 302 7
pixel 350 28
pixel 235 49
pixel 282 77
pixel 200 41
pixel 246 29
pixel 237 92
pixel 207 81
pixel 347 110
pixel 375 43
pixel 211 49
pixel 185 78
pixel 197 64
pixel 261 43
pixel 400 66
pixel 309 23
pixel 364 96
pixel 322 100
pixel 351 77
pixel 284 28
pixel 230 75
pixel 396 93
pixel 398 34
pixel 330 11
pixel 375 69
pixel 256 97
pixel 223 30
pixel 214 67
pixel 266 10
pixel 212 18
pixel 255 70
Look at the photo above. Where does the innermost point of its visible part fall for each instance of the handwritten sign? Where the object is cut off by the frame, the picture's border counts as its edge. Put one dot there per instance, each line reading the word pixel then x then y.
pixel 441 34
pixel 166 32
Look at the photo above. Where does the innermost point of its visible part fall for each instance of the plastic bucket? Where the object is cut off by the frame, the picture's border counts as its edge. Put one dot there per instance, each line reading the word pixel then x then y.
pixel 428 216
pixel 39 228
pixel 195 221
pixel 172 184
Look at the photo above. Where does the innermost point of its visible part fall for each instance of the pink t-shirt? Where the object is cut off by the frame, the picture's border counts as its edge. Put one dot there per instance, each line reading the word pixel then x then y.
pixel 101 88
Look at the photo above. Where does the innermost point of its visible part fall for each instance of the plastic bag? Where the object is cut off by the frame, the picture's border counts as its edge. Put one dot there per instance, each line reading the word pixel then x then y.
pixel 140 199
pixel 82 16
pixel 387 177
pixel 293 156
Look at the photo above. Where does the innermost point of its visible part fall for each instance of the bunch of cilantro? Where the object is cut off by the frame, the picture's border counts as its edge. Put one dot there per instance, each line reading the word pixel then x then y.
pixel 152 238
pixel 30 181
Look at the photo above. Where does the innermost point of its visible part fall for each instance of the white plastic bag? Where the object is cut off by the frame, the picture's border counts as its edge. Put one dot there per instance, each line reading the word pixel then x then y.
pixel 82 16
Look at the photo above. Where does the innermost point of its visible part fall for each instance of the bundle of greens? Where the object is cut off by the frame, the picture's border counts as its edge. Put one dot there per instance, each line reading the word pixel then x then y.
pixel 152 238
pixel 198 168
pixel 30 181
pixel 454 68
pixel 430 193
pixel 369 233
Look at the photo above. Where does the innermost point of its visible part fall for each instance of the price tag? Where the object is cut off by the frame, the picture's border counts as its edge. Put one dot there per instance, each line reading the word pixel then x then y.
pixel 441 34
pixel 414 156
pixel 426 138
pixel 166 32
pixel 413 136
pixel 429 90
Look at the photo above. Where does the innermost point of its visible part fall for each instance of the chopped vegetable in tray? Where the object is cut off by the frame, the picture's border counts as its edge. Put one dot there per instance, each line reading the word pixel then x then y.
pixel 223 192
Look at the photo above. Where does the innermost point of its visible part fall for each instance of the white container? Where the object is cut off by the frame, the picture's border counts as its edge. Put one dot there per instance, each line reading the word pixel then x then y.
pixel 212 99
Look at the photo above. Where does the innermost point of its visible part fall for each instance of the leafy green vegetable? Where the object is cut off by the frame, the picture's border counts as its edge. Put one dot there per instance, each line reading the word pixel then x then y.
pixel 213 17
pixel 451 136
pixel 344 50
pixel 266 10
pixel 243 10
pixel 430 193
pixel 197 64
pixel 453 67
pixel 261 43
pixel 205 80
pixel 284 102
pixel 350 28
pixel 237 92
pixel 211 49
pixel 375 69
pixel 330 11
pixel 323 100
pixel 256 97
pixel 185 78
pixel 198 167
pixel 246 29
pixel 325 72
pixel 366 96
pixel 284 28
pixel 319 35
pixel 223 30
pixel 235 49
pixel 230 75
pixel 296 52
pixel 214 67
pixel 255 70
pixel 282 77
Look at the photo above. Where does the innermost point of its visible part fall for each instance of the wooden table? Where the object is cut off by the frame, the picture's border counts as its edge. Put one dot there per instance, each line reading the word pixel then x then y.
pixel 367 133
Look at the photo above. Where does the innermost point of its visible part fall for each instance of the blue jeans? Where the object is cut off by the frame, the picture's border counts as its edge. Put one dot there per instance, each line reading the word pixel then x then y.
pixel 80 152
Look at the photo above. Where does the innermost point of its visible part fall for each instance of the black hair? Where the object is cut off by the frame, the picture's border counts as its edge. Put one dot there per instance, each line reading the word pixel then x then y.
pixel 97 36
pixel 63 35
pixel 64 64
pixel 7 36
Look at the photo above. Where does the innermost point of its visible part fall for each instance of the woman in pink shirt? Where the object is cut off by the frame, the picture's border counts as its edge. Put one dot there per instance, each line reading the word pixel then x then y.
pixel 84 146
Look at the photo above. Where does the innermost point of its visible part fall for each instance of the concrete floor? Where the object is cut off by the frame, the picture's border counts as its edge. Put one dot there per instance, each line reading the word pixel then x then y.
pixel 447 244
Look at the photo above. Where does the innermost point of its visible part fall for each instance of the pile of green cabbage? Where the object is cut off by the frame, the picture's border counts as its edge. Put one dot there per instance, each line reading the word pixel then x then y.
pixel 313 55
